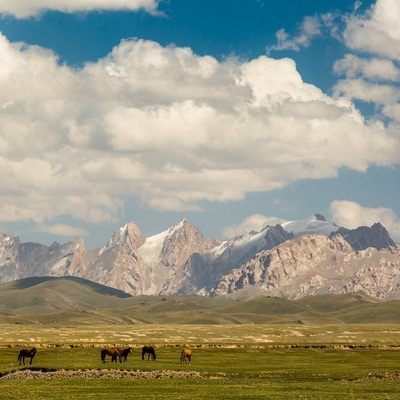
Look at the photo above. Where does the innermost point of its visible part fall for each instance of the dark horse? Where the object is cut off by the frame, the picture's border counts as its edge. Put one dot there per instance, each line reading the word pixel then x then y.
pixel 186 355
pixel 150 351
pixel 113 352
pixel 126 352
pixel 26 353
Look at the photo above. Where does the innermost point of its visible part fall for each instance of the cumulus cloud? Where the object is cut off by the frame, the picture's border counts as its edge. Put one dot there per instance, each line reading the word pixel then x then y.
pixel 366 91
pixel 351 215
pixel 167 127
pixel 392 111
pixel 373 77
pixel 254 222
pixel 377 31
pixel 353 66
pixel 32 8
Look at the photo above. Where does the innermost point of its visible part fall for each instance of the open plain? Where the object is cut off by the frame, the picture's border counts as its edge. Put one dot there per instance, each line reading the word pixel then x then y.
pixel 288 361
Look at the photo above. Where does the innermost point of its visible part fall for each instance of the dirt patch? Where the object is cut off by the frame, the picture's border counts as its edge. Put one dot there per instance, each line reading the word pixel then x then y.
pixel 31 373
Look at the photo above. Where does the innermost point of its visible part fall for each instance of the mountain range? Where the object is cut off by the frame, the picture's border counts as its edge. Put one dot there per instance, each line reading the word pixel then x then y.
pixel 293 260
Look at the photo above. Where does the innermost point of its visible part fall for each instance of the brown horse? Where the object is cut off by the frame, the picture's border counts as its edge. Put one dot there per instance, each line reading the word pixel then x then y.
pixel 26 353
pixel 186 355
pixel 126 352
pixel 113 352
pixel 150 351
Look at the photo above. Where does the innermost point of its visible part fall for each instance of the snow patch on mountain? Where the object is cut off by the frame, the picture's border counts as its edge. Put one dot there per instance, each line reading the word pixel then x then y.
pixel 315 225
pixel 152 247
pixel 238 244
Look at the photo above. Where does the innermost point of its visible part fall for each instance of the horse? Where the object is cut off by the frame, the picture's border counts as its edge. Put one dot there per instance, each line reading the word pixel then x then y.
pixel 186 355
pixel 26 353
pixel 113 352
pixel 150 351
pixel 126 352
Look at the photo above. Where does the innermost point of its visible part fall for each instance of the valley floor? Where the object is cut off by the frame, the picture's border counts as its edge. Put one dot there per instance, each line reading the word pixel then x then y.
pixel 321 362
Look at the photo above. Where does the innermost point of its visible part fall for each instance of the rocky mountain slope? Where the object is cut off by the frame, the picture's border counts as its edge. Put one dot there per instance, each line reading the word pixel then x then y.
pixel 299 258
pixel 316 264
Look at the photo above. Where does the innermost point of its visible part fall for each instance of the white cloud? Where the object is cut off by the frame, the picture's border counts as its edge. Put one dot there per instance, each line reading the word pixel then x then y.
pixel 374 77
pixel 370 92
pixel 351 215
pixel 62 230
pixel 376 69
pixel 377 31
pixel 392 111
pixel 254 222
pixel 168 127
pixel 31 8
pixel 308 30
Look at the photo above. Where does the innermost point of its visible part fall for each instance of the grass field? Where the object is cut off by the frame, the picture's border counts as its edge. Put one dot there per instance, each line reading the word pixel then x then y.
pixel 229 362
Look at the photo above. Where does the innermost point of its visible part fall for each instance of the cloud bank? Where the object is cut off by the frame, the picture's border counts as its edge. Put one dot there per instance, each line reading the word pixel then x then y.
pixel 33 8
pixel 347 214
pixel 351 215
pixel 168 127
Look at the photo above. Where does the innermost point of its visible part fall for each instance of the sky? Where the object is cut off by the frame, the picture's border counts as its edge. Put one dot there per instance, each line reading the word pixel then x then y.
pixel 234 114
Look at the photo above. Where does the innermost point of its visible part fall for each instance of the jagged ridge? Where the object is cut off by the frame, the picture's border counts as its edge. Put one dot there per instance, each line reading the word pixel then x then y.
pixel 281 261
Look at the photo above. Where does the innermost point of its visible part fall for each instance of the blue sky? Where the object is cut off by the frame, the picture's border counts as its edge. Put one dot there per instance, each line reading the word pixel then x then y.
pixel 231 113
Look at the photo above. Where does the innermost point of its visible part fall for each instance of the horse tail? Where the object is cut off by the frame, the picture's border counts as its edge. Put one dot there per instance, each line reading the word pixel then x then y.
pixel 118 353
pixel 32 354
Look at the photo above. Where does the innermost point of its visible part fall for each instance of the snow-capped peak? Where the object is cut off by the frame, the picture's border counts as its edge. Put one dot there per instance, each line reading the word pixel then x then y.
pixel 240 243
pixel 314 225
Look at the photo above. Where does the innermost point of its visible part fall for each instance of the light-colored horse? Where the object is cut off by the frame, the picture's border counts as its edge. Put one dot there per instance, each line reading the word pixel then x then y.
pixel 186 355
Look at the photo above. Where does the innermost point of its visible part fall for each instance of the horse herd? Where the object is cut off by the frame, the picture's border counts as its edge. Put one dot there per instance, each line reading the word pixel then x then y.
pixel 115 354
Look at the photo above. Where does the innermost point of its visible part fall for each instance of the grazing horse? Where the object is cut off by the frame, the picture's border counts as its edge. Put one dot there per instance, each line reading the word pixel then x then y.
pixel 26 353
pixel 126 352
pixel 150 351
pixel 186 355
pixel 113 352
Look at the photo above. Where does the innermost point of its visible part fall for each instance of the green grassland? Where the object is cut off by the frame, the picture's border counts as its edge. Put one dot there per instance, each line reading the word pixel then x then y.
pixel 231 362
pixel 75 301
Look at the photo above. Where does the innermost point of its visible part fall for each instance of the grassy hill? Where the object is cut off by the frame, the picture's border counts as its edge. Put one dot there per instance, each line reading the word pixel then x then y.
pixel 71 300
